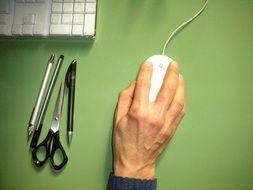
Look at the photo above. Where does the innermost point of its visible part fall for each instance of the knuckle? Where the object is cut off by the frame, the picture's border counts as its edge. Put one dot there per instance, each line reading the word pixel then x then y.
pixel 143 84
pixel 157 122
pixel 169 92
pixel 167 134
pixel 179 106
pixel 138 115
pixel 172 87
pixel 163 97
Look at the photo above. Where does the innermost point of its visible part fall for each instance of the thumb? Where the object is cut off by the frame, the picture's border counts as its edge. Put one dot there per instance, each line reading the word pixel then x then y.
pixel 124 102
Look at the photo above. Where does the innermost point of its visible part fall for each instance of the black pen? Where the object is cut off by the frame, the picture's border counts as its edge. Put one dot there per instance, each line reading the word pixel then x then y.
pixel 70 83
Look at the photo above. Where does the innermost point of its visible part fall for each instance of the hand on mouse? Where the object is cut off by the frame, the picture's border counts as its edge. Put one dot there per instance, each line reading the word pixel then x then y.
pixel 142 129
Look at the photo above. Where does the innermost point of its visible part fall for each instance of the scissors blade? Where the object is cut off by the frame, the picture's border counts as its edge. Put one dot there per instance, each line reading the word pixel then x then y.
pixel 58 108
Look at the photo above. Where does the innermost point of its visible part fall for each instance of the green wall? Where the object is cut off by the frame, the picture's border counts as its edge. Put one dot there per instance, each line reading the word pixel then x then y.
pixel 212 149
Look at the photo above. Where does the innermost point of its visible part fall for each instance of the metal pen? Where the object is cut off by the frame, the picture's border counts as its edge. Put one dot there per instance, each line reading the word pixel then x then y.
pixel 46 102
pixel 35 111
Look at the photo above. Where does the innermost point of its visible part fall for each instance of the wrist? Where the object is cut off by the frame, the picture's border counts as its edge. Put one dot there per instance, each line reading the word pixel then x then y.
pixel 147 172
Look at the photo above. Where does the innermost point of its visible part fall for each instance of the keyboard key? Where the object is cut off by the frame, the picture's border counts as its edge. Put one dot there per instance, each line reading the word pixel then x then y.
pixel 92 1
pixel 28 19
pixel 4 6
pixel 3 30
pixel 29 1
pixel 67 7
pixel 57 7
pixel 63 29
pixel 80 1
pixel 77 30
pixel 78 19
pixel 89 24
pixel 39 19
pixel 27 29
pixel 79 7
pixel 90 7
pixel 16 29
pixel 57 0
pixel 38 29
pixel 56 18
pixel 67 18
pixel 68 1
pixel 4 19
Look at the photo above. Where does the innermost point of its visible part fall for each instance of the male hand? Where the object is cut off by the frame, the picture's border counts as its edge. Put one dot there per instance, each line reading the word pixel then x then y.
pixel 143 129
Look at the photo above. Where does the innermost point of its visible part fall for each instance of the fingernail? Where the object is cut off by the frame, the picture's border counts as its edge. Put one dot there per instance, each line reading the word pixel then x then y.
pixel 181 78
pixel 175 64
pixel 147 63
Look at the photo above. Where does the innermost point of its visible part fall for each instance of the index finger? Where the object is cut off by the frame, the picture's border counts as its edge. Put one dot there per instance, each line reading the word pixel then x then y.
pixel 143 83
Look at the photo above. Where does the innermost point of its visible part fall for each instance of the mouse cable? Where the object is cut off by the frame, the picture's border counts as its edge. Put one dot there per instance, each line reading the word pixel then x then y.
pixel 182 26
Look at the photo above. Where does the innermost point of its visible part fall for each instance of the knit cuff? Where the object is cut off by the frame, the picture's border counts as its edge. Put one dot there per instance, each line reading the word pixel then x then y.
pixel 124 183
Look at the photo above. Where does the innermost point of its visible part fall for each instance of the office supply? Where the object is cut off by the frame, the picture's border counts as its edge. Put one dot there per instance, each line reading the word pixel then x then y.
pixel 46 101
pixel 48 18
pixel 40 96
pixel 161 62
pixel 70 83
pixel 52 141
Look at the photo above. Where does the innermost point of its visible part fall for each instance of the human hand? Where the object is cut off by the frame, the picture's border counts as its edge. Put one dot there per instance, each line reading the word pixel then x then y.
pixel 142 129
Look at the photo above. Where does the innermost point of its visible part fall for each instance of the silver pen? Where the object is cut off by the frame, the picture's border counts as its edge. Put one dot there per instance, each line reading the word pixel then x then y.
pixel 31 125
pixel 44 106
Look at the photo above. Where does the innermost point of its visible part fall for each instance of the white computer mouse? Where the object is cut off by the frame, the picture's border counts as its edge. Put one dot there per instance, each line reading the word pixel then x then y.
pixel 160 64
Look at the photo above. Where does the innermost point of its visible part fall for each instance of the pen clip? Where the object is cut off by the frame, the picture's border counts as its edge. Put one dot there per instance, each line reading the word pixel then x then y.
pixel 67 76
pixel 68 73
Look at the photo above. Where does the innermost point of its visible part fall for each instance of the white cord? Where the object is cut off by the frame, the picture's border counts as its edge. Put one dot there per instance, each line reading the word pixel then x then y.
pixel 182 25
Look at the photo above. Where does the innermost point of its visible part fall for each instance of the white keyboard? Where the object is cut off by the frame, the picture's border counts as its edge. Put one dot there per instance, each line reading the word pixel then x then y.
pixel 48 18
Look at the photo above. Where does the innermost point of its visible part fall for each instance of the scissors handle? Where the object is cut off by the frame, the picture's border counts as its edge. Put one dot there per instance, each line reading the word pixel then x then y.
pixel 58 146
pixel 46 143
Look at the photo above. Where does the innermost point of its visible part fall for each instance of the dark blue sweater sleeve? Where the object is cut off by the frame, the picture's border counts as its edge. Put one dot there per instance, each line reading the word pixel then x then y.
pixel 124 183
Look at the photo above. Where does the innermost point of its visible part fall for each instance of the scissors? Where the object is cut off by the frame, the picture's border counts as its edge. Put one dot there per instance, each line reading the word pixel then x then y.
pixel 52 141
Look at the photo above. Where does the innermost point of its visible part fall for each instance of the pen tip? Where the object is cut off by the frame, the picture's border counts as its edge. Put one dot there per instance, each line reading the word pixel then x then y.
pixel 69 137
pixel 52 58
pixel 29 135
pixel 30 131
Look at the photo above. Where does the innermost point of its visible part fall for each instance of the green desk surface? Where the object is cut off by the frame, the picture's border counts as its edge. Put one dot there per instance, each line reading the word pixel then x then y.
pixel 211 150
